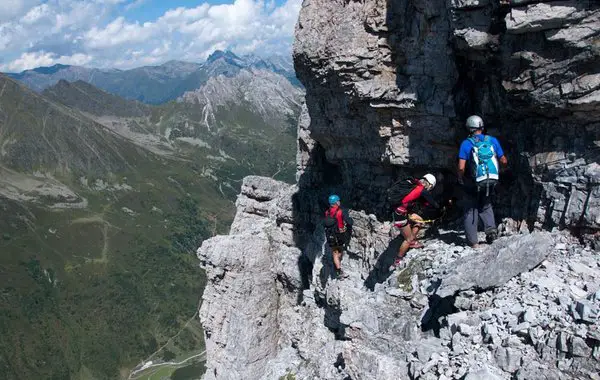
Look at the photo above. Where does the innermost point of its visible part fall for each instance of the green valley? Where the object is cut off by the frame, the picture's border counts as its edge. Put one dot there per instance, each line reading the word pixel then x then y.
pixel 103 203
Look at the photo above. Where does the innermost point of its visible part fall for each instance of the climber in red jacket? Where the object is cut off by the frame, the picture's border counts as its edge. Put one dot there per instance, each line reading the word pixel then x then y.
pixel 338 226
pixel 409 222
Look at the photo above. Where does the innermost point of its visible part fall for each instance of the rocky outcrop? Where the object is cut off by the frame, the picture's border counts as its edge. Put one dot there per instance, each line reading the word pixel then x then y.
pixel 270 95
pixel 526 307
pixel 496 265
pixel 389 84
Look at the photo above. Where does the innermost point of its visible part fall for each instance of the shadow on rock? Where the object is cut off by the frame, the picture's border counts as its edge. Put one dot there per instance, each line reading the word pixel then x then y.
pixel 438 307
pixel 305 267
pixel 452 237
pixel 381 271
pixel 331 319
pixel 326 271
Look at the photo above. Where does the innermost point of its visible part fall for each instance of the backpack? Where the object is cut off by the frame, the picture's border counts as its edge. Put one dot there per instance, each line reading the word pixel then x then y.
pixel 332 231
pixel 484 163
pixel 399 190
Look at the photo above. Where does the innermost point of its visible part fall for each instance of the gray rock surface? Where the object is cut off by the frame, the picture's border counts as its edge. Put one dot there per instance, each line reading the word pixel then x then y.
pixel 404 75
pixel 496 265
pixel 273 97
pixel 273 309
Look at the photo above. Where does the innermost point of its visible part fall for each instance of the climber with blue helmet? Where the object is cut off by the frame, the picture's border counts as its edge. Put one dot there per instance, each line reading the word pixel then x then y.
pixel 333 199
pixel 338 226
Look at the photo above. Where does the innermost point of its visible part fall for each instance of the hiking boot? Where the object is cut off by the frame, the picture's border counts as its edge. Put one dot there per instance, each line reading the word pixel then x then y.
pixel 416 244
pixel 490 235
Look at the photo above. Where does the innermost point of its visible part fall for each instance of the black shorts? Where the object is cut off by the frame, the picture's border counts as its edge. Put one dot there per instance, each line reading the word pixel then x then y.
pixel 338 241
pixel 338 248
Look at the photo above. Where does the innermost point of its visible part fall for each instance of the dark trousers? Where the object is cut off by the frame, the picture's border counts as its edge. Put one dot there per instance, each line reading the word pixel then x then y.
pixel 477 205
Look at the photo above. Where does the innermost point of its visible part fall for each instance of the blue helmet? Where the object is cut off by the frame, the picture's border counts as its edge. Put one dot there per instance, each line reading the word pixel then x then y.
pixel 333 199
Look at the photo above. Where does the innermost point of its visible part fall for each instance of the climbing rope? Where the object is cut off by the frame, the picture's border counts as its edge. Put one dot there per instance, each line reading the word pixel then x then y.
pixel 427 221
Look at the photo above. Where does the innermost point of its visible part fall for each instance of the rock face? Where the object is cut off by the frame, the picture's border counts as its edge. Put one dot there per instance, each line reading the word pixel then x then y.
pixel 403 75
pixel 389 84
pixel 271 309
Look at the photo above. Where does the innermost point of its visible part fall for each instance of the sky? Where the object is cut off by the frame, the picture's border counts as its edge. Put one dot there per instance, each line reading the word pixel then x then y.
pixel 131 33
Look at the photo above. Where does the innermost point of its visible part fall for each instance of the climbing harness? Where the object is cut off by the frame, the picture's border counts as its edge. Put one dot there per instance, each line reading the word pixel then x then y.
pixel 420 221
pixel 427 221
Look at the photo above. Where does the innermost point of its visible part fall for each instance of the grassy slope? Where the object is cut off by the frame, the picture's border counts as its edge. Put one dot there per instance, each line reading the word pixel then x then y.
pixel 88 293
pixel 87 98
pixel 97 290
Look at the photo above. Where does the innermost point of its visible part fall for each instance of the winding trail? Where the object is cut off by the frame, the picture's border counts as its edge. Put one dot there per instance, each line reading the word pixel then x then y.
pixel 174 364
pixel 143 368
pixel 98 219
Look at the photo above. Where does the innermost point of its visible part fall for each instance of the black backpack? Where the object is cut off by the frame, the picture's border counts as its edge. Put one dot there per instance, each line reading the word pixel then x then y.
pixel 332 232
pixel 399 190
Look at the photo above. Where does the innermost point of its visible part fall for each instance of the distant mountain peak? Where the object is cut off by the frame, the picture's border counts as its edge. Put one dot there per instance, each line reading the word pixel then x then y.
pixel 155 84
pixel 220 54
pixel 49 69
pixel 92 100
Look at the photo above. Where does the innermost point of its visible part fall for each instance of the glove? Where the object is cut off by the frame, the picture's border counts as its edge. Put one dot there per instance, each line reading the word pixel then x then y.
pixel 461 181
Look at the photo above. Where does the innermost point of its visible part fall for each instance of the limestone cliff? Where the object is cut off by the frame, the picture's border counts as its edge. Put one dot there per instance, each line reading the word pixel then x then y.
pixel 389 84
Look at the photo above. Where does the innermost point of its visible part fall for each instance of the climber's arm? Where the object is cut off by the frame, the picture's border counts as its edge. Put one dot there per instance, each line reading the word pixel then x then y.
pixel 504 161
pixel 462 164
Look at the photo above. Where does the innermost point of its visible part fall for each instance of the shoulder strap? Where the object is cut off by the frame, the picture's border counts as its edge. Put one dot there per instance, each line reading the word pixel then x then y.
pixel 333 214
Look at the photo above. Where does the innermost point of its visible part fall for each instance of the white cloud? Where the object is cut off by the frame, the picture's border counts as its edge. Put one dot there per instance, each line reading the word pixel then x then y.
pixel 134 4
pixel 9 9
pixel 36 14
pixel 117 33
pixel 41 58
pixel 58 29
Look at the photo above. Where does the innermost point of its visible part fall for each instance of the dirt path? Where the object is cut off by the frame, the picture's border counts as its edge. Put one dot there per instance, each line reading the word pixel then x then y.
pixel 98 219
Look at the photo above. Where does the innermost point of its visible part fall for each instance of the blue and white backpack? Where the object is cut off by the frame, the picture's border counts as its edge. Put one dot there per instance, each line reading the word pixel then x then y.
pixel 484 163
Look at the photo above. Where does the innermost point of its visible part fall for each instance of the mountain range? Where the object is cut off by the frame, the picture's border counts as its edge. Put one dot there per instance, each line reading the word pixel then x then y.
pixel 156 84
pixel 103 199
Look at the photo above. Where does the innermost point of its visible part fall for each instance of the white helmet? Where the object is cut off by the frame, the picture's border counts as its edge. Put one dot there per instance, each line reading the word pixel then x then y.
pixel 474 123
pixel 431 179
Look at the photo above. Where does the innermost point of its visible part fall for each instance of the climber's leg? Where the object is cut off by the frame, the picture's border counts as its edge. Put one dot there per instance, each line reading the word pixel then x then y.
pixel 471 219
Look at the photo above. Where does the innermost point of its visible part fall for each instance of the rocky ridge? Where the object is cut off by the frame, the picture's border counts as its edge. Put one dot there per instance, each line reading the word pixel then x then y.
pixel 273 97
pixel 526 307
pixel 155 84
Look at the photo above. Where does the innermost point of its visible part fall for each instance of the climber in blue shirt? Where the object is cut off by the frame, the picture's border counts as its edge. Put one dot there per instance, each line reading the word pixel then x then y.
pixel 482 153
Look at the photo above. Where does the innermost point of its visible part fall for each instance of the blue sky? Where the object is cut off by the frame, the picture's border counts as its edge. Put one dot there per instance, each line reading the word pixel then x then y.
pixel 131 33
